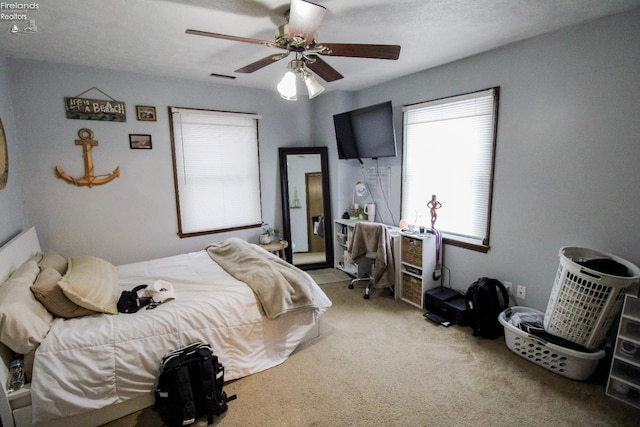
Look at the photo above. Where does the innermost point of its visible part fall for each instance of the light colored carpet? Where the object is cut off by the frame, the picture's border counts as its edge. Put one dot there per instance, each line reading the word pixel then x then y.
pixel 328 275
pixel 379 362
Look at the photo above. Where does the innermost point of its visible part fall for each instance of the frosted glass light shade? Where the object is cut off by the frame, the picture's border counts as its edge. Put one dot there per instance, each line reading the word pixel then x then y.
pixel 313 87
pixel 287 86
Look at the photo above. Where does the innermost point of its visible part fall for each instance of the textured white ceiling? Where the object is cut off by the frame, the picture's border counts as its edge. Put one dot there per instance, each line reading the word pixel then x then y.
pixel 148 36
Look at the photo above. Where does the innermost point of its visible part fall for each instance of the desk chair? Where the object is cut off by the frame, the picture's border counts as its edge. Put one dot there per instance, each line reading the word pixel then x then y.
pixel 372 241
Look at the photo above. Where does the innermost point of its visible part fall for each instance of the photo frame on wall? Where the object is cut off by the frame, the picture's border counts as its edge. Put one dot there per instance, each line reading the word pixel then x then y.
pixel 146 113
pixel 139 141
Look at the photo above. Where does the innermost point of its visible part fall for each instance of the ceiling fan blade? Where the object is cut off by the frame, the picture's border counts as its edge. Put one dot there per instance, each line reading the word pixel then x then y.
pixel 261 63
pixel 234 38
pixel 321 68
pixel 376 51
pixel 304 19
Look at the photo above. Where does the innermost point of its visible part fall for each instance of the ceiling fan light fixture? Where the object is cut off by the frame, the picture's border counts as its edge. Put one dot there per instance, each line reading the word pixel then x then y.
pixel 313 87
pixel 287 86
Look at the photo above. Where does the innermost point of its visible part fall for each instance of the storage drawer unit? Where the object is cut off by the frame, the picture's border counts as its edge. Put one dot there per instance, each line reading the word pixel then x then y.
pixel 624 377
pixel 417 262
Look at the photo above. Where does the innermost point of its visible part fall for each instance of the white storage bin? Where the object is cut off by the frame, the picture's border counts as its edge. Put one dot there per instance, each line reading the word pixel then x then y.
pixel 569 363
pixel 584 302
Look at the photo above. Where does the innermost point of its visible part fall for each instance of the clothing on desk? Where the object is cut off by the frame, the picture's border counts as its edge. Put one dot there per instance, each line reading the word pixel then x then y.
pixel 374 237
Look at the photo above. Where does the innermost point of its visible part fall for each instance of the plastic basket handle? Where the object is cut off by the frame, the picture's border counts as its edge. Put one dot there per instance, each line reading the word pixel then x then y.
pixel 508 312
pixel 537 339
pixel 590 274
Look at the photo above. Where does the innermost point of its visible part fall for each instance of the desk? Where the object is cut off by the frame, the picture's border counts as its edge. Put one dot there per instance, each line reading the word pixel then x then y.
pixel 342 233
pixel 277 248
pixel 414 257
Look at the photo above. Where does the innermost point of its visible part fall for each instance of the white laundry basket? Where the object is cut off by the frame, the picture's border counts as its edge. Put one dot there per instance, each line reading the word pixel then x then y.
pixel 584 302
pixel 563 361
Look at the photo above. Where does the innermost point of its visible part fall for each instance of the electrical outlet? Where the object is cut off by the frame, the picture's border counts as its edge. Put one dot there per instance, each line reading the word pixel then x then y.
pixel 508 286
pixel 521 291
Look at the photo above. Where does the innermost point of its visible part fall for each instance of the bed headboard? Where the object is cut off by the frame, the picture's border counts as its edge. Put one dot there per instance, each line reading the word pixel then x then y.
pixel 16 251
pixel 12 255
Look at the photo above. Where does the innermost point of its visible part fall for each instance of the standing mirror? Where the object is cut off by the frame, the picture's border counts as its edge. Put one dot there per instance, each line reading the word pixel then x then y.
pixel 306 206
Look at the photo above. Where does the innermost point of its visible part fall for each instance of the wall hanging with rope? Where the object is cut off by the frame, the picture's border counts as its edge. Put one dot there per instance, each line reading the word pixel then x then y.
pixel 108 110
pixel 89 179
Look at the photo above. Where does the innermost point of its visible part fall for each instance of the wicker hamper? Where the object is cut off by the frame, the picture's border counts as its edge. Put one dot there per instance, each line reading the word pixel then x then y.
pixel 411 251
pixel 563 361
pixel 584 302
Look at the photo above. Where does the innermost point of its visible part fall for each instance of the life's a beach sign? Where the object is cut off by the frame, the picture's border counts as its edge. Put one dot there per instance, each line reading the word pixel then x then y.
pixel 95 109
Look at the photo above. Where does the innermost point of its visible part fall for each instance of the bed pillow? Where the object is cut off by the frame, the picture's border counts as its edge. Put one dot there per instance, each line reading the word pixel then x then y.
pixel 49 293
pixel 51 258
pixel 24 322
pixel 91 283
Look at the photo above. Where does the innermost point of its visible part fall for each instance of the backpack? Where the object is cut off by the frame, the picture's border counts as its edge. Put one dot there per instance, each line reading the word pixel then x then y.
pixel 486 299
pixel 190 386
pixel 130 302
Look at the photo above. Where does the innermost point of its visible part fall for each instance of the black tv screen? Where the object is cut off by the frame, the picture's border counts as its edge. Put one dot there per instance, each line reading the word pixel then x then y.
pixel 366 133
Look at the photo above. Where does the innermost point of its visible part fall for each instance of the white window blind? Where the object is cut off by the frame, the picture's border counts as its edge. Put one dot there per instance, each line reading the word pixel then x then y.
pixel 449 151
pixel 216 170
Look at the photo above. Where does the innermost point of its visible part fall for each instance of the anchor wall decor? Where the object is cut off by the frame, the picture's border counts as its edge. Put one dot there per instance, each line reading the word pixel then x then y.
pixel 89 179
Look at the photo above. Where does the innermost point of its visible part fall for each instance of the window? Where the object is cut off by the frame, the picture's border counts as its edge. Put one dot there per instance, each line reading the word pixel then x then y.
pixel 449 147
pixel 216 170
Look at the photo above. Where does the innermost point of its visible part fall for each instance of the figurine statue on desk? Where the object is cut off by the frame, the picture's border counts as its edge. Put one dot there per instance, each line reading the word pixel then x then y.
pixel 433 205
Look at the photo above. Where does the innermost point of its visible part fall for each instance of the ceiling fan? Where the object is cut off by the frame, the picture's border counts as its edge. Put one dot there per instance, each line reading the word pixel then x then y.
pixel 298 35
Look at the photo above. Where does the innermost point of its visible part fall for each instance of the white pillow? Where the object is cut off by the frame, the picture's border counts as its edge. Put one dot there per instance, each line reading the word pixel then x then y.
pixel 53 259
pixel 91 283
pixel 47 290
pixel 24 322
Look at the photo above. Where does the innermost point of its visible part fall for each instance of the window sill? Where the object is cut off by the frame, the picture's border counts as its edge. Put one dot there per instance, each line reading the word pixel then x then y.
pixel 466 244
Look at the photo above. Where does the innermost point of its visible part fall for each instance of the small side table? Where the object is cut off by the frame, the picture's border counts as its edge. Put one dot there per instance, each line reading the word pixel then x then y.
pixel 277 248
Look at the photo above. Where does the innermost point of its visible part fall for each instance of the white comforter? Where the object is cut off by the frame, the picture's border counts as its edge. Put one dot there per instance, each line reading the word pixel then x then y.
pixel 91 362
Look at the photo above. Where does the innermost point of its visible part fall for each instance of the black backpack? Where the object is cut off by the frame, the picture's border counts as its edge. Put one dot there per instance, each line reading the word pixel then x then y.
pixel 486 299
pixel 130 302
pixel 190 386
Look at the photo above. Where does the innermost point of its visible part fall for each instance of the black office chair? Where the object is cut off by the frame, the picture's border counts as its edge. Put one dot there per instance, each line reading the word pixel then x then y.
pixel 372 241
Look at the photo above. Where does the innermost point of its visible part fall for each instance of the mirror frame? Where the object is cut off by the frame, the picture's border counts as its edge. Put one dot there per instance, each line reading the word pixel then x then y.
pixel 326 200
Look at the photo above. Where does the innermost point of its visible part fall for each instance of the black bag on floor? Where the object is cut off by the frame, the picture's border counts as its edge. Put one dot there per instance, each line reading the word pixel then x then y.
pixel 190 386
pixel 486 299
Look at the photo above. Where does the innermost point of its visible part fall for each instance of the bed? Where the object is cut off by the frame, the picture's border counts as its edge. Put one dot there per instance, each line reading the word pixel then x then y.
pixel 82 378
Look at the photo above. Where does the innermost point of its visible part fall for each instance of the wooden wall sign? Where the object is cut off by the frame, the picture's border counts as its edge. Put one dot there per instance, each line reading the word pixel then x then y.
pixel 95 109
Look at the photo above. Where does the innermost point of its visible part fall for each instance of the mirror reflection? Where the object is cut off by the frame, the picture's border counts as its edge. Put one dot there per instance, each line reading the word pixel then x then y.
pixel 306 214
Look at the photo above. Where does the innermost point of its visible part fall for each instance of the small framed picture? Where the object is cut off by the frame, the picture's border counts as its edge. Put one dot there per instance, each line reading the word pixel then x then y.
pixel 146 113
pixel 138 141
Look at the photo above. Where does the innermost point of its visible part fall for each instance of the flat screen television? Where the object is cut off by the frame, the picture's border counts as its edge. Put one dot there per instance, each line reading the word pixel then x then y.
pixel 366 133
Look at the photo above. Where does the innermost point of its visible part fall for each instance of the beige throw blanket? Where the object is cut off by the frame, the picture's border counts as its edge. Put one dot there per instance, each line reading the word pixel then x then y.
pixel 374 237
pixel 278 286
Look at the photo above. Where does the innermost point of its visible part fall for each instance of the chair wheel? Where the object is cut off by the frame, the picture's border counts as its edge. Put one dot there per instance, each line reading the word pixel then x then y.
pixel 351 286
pixel 366 296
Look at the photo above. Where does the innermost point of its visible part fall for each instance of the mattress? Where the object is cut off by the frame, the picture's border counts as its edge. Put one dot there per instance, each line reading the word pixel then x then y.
pixel 90 362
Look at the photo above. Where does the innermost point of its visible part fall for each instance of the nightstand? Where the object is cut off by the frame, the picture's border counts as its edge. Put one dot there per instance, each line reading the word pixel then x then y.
pixel 277 248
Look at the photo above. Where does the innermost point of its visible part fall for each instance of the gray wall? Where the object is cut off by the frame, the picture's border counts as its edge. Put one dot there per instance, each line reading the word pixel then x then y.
pixel 13 216
pixel 133 217
pixel 567 151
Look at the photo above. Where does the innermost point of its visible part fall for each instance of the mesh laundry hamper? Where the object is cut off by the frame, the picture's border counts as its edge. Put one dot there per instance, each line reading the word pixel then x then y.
pixel 584 302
